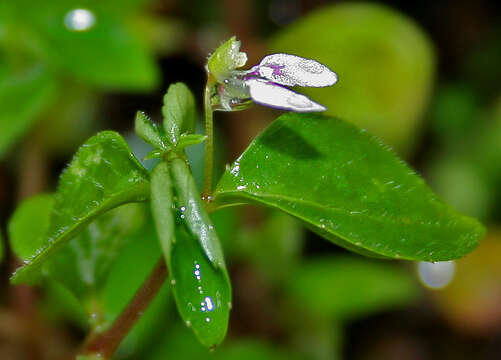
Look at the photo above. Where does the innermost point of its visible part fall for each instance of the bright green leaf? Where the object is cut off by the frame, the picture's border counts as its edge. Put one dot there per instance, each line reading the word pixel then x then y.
pixel 191 139
pixel 179 111
pixel 347 287
pixel 201 286
pixel 149 131
pixel 384 61
pixel 102 175
pixel 23 96
pixel 28 225
pixel 348 187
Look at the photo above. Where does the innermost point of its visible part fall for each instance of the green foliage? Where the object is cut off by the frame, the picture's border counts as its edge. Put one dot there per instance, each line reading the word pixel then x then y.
pixel 349 188
pixel 102 175
pixel 23 96
pixel 149 131
pixel 200 282
pixel 107 54
pixel 342 288
pixel 179 112
pixel 384 61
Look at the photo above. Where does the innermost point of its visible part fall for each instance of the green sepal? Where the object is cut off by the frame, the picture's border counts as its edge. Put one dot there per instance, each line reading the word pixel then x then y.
pixel 226 58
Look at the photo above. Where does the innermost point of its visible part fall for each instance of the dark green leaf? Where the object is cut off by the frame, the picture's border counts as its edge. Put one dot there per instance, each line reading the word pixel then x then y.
pixel 179 111
pixel 149 131
pixel 348 187
pixel 347 287
pixel 23 96
pixel 82 266
pixel 102 175
pixel 200 281
pixel 194 213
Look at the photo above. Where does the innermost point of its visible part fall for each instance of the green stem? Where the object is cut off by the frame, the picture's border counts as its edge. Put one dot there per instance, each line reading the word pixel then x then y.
pixel 209 142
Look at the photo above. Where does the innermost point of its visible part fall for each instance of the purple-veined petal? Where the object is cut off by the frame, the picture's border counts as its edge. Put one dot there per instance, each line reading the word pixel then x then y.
pixel 292 70
pixel 270 94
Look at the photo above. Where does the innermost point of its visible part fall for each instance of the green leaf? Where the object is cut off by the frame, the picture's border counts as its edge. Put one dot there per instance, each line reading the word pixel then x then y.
pixel 102 175
pixel 83 265
pixel 179 111
pixel 193 212
pixel 108 54
pixel 149 131
pixel 347 287
pixel 348 187
pixel 384 60
pixel 28 225
pixel 199 281
pixel 191 139
pixel 23 96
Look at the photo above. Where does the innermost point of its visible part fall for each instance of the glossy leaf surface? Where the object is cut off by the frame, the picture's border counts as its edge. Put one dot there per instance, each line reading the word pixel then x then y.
pixel 347 287
pixel 348 187
pixel 201 288
pixel 102 175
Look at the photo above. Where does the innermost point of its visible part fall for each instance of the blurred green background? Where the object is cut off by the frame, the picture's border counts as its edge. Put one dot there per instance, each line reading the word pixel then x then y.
pixel 423 76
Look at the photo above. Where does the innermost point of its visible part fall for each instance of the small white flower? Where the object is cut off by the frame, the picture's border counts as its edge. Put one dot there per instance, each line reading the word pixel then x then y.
pixel 266 82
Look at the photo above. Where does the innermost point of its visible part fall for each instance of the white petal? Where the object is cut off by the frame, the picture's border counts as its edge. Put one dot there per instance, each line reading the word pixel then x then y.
pixel 292 70
pixel 269 94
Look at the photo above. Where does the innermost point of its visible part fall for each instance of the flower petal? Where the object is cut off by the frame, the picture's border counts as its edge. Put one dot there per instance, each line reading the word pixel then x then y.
pixel 291 70
pixel 270 94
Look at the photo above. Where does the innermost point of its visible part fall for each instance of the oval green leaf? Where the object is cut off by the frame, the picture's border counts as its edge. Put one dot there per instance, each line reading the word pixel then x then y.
pixel 102 175
pixel 348 187
pixel 178 111
pixel 201 289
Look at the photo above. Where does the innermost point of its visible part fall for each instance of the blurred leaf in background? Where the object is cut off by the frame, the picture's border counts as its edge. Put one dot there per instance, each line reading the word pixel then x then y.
pixel 48 48
pixel 384 61
pixel 24 95
pixel 347 287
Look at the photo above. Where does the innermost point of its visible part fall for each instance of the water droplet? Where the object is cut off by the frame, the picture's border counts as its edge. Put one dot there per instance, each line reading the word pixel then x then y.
pixel 197 272
pixel 173 282
pixel 79 20
pixel 436 275
pixel 188 323
pixel 207 319
pixel 183 208
pixel 207 304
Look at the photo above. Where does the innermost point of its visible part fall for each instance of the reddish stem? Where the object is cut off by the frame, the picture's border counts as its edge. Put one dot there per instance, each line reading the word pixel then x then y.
pixel 105 344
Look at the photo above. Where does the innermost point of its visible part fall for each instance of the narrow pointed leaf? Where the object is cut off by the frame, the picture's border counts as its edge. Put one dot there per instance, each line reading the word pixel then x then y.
pixel 202 290
pixel 348 187
pixel 179 111
pixel 102 175
pixel 149 131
